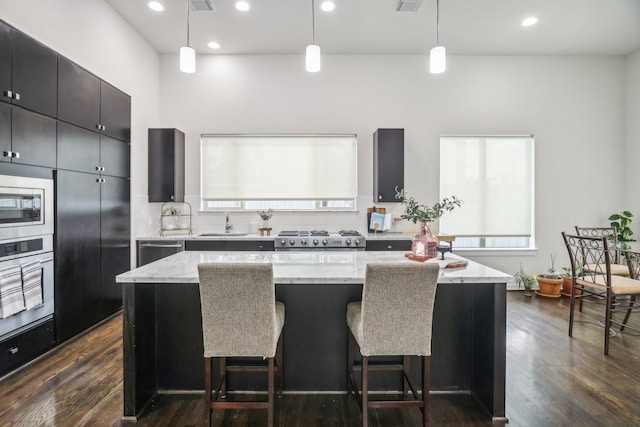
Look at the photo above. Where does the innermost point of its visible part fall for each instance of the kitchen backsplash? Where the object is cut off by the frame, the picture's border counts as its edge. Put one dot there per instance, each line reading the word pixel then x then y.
pixel 147 218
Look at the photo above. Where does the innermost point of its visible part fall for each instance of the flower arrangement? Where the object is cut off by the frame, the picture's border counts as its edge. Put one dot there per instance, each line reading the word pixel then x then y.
pixel 415 212
pixel 266 215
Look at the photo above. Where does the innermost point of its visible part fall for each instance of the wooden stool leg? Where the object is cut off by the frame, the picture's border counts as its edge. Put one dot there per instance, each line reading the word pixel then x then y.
pixel 207 391
pixel 405 375
pixel 271 392
pixel 426 410
pixel 279 358
pixel 365 391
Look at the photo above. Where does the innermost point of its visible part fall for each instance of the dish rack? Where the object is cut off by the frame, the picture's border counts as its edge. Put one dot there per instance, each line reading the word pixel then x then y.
pixel 172 216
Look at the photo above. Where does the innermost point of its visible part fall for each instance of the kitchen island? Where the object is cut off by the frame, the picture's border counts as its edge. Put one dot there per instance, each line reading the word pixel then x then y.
pixel 163 333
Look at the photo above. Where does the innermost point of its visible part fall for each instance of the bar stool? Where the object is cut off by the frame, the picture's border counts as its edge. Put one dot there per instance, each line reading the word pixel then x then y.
pixel 393 318
pixel 240 318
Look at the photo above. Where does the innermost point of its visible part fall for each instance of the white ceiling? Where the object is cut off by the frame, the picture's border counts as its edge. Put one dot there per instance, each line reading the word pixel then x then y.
pixel 467 27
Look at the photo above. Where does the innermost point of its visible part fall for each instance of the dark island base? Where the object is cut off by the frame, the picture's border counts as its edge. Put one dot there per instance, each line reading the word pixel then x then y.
pixel 163 342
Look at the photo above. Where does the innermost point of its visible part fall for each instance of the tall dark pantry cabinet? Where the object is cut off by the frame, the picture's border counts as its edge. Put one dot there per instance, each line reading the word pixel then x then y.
pixel 92 199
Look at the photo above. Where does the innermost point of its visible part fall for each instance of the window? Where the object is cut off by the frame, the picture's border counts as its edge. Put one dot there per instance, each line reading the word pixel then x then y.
pixel 282 172
pixel 493 175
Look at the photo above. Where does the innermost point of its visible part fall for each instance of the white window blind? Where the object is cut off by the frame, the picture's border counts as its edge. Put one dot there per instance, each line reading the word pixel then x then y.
pixel 278 167
pixel 493 175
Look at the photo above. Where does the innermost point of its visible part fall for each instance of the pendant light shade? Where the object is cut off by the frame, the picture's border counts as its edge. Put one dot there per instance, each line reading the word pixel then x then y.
pixel 438 55
pixel 187 53
pixel 313 58
pixel 313 50
pixel 438 60
pixel 187 59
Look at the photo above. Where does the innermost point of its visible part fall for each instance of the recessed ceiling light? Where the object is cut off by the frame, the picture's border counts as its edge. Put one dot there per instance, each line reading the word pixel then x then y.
pixel 213 45
pixel 156 5
pixel 327 6
pixel 527 22
pixel 242 5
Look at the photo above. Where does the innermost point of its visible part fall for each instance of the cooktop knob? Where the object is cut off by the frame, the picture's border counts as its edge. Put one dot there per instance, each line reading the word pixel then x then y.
pixel 348 242
pixel 325 242
pixel 303 242
pixel 283 242
pixel 315 242
pixel 292 242
pixel 357 242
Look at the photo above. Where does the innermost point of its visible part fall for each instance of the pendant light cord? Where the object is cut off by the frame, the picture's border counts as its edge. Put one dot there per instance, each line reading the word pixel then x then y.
pixel 437 22
pixel 313 22
pixel 188 21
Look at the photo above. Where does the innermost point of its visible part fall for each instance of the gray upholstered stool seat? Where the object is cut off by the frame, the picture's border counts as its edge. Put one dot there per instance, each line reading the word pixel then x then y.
pixel 393 318
pixel 240 318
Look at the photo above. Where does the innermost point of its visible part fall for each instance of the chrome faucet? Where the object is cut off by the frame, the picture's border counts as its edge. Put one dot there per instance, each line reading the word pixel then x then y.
pixel 227 225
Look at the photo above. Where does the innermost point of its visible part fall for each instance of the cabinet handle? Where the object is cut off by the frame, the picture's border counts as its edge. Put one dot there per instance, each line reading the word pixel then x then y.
pixel 8 94
pixel 98 168
pixel 379 196
pixel 101 168
pixel 389 247
pixel 7 154
pixel 104 127
pixel 13 350
pixel 15 155
pixel 100 180
pixel 16 96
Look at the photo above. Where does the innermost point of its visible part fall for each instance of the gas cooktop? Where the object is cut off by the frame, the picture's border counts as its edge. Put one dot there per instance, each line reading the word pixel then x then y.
pixel 320 239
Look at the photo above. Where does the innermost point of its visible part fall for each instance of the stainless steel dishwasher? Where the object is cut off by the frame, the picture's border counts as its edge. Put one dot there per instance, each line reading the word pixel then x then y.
pixel 153 250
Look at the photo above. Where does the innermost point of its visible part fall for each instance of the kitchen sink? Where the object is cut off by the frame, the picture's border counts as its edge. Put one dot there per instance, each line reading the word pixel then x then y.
pixel 223 234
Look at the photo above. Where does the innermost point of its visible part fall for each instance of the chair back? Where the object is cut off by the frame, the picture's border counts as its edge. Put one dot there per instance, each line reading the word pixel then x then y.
pixel 633 262
pixel 238 309
pixel 608 232
pixel 397 308
pixel 590 259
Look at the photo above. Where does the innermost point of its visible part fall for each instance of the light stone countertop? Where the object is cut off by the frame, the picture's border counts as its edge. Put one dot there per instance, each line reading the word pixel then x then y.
pixel 303 267
pixel 177 236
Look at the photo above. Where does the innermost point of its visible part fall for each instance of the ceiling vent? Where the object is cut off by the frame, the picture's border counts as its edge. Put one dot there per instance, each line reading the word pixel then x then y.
pixel 201 6
pixel 408 5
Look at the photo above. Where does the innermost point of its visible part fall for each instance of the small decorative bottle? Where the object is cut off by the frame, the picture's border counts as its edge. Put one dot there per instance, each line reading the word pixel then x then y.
pixel 425 244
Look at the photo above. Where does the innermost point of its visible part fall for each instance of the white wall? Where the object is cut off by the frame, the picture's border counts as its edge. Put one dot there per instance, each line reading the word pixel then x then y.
pixel 631 155
pixel 94 36
pixel 574 107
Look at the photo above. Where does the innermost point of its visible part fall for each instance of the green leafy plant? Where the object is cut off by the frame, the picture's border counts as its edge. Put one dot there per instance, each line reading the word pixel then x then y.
pixel 552 273
pixel 525 280
pixel 620 222
pixel 171 210
pixel 415 212
pixel 266 215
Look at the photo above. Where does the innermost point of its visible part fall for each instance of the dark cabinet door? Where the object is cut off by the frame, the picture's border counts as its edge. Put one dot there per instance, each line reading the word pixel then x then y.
pixel 5 132
pixel 115 240
pixel 35 75
pixel 77 273
pixel 115 112
pixel 33 138
pixel 78 149
pixel 388 164
pixel 5 61
pixel 166 165
pixel 114 157
pixel 78 95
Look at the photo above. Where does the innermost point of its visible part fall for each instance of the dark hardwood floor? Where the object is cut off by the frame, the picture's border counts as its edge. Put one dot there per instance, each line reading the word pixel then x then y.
pixel 552 380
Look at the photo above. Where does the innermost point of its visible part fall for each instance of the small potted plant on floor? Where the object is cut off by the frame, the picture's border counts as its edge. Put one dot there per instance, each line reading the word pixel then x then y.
pixel 567 281
pixel 525 281
pixel 549 283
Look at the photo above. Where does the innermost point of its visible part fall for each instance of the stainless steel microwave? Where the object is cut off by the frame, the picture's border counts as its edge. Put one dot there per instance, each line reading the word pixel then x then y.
pixel 26 206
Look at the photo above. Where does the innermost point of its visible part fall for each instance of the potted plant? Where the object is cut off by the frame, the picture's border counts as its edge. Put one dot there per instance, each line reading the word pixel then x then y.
pixel 265 216
pixel 525 281
pixel 620 222
pixel 425 244
pixel 549 283
pixel 567 281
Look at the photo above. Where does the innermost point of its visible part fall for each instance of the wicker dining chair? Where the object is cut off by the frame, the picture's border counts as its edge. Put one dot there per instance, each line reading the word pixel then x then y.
pixel 393 318
pixel 591 275
pixel 240 318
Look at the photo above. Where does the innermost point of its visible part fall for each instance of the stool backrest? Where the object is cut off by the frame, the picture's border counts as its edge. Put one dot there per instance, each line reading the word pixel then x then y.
pixel 238 309
pixel 397 308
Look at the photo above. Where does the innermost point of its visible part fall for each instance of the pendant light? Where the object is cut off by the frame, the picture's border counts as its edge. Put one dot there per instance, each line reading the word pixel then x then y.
pixel 187 53
pixel 313 50
pixel 438 56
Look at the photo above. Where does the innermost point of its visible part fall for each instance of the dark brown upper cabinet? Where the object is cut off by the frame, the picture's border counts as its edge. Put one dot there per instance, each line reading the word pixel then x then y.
pixel 87 101
pixel 388 164
pixel 166 165
pixel 26 137
pixel 28 72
